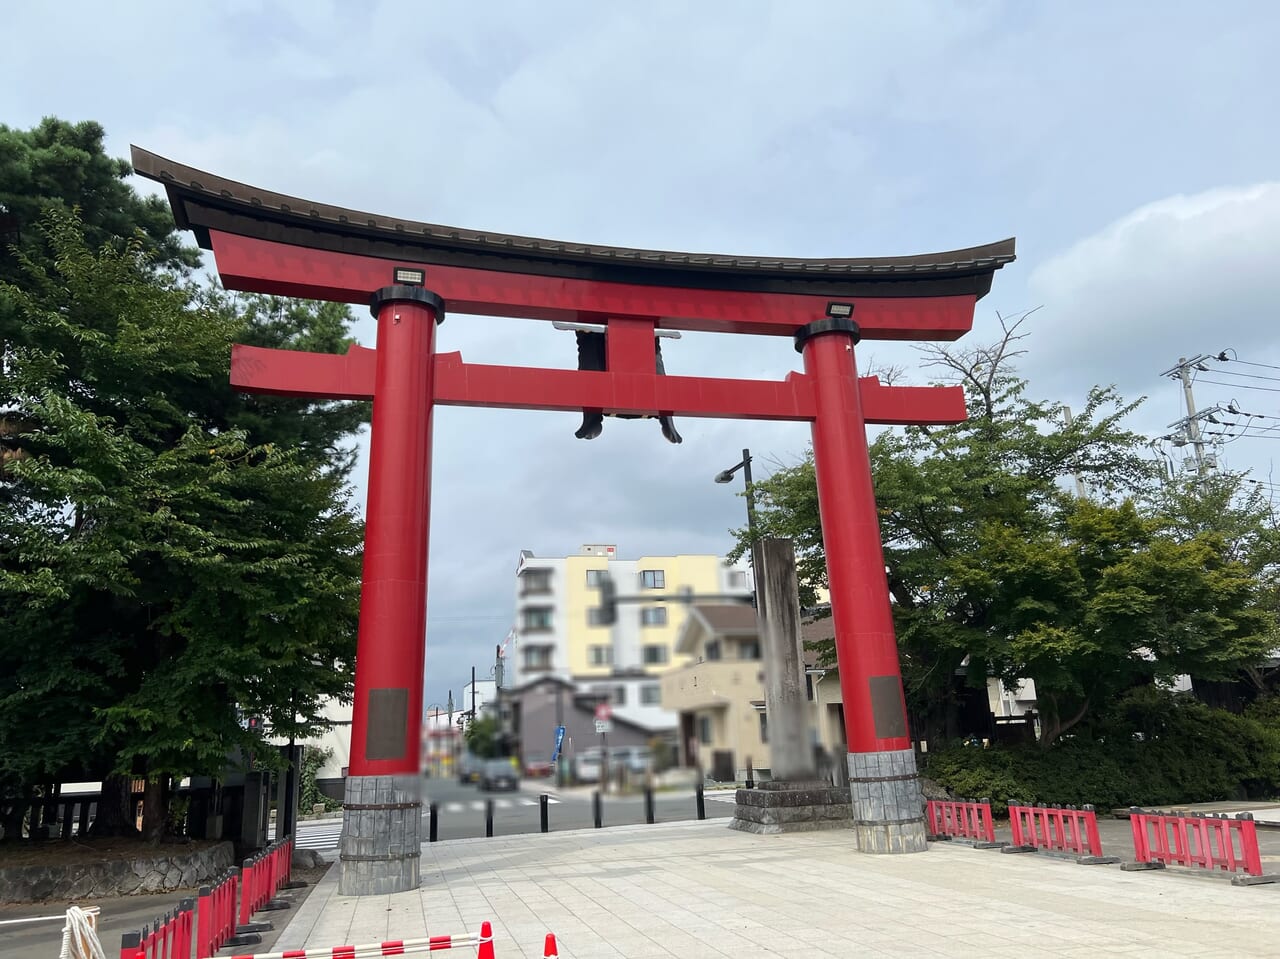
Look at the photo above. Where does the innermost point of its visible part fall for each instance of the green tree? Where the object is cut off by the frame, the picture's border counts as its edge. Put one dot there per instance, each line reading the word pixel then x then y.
pixel 1106 600
pixel 482 736
pixel 1233 507
pixel 61 167
pixel 161 572
pixel 995 569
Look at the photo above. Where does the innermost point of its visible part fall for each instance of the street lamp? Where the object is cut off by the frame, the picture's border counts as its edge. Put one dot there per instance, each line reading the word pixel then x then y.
pixel 726 476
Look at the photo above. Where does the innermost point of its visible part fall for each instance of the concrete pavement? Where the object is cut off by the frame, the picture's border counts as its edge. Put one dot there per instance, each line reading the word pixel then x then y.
pixel 697 889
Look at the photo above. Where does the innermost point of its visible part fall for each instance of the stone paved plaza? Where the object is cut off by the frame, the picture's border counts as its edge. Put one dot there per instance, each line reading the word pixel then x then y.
pixel 698 889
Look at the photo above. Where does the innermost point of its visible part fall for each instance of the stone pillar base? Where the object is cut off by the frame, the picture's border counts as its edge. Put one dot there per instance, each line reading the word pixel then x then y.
pixel 888 808
pixel 777 807
pixel 381 844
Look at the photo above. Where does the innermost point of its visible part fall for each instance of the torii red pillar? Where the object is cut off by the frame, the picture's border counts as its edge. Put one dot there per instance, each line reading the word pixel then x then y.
pixel 386 731
pixel 882 765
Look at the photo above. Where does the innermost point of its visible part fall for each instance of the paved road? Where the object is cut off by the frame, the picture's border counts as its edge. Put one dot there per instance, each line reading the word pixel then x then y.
pixel 44 939
pixel 461 811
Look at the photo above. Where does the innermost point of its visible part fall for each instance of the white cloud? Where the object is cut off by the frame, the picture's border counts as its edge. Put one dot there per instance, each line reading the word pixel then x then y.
pixel 819 128
pixel 1180 277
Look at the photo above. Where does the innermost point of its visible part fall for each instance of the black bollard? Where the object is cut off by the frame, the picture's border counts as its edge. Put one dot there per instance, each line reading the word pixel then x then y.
pixel 597 808
pixel 648 805
pixel 488 818
pixel 542 812
pixel 702 806
pixel 433 823
pixel 751 775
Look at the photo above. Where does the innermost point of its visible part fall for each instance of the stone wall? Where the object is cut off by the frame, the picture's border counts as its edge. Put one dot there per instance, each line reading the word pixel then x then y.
pixel 164 872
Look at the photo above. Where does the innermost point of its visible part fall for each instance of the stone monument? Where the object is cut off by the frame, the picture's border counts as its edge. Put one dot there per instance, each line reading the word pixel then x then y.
pixel 795 799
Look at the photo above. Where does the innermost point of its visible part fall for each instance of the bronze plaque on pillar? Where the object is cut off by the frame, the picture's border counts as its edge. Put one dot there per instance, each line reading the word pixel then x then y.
pixel 886 707
pixel 387 725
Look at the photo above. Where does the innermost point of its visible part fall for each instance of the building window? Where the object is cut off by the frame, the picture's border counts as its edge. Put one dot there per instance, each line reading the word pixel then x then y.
pixel 808 686
pixel 749 649
pixel 650 695
pixel 764 727
pixel 595 616
pixel 737 579
pixel 653 616
pixel 713 650
pixel 535 581
pixel 537 657
pixel 536 618
pixel 704 730
pixel 594 577
pixel 600 655
pixel 653 579
pixel 655 655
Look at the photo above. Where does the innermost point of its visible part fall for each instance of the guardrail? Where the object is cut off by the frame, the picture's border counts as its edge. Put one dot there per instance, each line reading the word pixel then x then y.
pixel 169 937
pixel 1198 842
pixel 222 913
pixel 216 916
pixel 1057 829
pixel 962 819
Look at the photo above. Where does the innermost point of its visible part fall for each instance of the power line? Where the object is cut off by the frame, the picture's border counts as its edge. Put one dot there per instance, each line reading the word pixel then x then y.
pixel 1223 358
pixel 1242 386
pixel 1250 376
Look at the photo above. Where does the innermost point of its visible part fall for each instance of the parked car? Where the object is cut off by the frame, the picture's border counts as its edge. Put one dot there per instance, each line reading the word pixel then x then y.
pixel 537 769
pixel 498 774
pixel 588 765
pixel 469 768
pixel 636 759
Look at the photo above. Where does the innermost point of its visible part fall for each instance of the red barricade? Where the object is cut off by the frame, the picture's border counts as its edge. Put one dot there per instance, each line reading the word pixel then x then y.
pixel 262 876
pixel 1057 828
pixel 248 890
pixel 168 938
pixel 220 914
pixel 1206 842
pixel 961 820
pixel 216 915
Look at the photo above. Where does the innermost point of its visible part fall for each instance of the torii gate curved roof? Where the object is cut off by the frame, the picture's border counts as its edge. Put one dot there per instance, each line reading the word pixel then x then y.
pixel 203 202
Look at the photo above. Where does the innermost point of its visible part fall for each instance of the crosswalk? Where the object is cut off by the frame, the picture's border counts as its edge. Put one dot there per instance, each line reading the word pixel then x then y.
pixel 324 836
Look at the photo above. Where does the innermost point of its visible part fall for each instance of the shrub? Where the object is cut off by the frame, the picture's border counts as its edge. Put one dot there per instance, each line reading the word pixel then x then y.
pixel 1151 748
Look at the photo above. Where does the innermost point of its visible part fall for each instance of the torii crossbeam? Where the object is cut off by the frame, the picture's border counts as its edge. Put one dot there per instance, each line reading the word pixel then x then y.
pixel 410 272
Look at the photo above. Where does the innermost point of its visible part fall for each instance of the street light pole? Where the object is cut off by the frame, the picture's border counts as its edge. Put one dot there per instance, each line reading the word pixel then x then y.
pixel 725 476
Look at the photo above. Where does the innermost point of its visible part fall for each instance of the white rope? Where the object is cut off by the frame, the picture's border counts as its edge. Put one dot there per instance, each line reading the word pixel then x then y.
pixel 80 935
pixel 14 922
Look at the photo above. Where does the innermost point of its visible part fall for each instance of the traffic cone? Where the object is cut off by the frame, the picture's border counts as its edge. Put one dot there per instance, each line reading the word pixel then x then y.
pixel 549 949
pixel 486 941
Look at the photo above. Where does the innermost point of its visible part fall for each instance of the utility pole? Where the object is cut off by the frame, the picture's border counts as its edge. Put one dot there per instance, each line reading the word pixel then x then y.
pixel 473 694
pixel 451 735
pixel 497 699
pixel 1081 491
pixel 1191 422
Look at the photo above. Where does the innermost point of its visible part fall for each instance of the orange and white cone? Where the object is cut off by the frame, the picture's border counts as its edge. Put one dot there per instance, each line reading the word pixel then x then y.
pixel 486 941
pixel 549 949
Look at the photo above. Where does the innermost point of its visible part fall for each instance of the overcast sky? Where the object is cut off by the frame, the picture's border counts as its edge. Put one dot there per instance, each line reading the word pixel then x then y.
pixel 1132 149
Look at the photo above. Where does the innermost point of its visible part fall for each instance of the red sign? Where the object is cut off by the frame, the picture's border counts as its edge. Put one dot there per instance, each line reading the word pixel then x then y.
pixel 604 711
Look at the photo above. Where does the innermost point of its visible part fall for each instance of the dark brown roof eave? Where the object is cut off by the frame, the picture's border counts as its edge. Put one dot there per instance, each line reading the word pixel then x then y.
pixel 202 201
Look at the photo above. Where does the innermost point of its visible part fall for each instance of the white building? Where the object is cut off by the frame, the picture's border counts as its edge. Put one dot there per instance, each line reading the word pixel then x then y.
pixel 559 631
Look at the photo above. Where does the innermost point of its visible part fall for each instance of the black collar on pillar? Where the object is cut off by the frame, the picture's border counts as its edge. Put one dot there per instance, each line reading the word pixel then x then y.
pixel 830 324
pixel 401 293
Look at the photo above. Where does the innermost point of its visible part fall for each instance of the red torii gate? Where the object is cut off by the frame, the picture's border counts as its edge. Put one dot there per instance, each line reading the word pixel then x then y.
pixel 408 272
